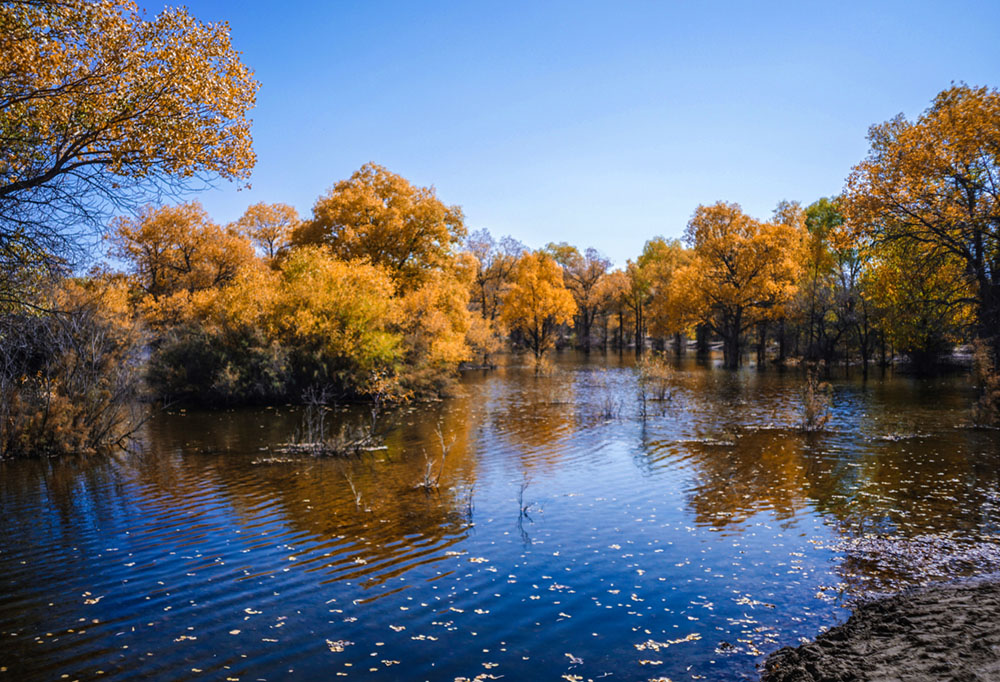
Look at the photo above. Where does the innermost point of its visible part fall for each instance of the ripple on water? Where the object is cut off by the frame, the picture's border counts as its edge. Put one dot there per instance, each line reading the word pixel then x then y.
pixel 567 537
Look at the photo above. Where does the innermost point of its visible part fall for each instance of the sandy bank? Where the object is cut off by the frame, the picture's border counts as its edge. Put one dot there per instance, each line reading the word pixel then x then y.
pixel 948 632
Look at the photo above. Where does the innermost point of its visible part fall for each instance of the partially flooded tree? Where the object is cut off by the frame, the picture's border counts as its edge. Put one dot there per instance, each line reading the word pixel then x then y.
pixel 495 261
pixel 538 301
pixel 741 271
pixel 102 110
pixel 582 273
pixel 934 184
pixel 662 258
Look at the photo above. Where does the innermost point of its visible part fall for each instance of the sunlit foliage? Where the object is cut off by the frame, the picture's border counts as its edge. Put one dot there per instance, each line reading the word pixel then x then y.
pixel 268 226
pixel 269 334
pixel 101 109
pixel 378 215
pixel 742 271
pixel 582 274
pixel 934 185
pixel 538 301
pixel 661 259
pixel 173 253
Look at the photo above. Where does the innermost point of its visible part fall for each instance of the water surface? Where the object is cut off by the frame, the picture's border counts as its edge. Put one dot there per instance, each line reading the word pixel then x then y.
pixel 566 538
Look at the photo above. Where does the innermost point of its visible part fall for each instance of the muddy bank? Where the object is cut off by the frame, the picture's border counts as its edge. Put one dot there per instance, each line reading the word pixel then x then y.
pixel 947 632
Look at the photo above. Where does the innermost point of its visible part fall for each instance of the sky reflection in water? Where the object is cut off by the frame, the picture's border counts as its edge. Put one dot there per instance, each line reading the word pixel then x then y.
pixel 686 546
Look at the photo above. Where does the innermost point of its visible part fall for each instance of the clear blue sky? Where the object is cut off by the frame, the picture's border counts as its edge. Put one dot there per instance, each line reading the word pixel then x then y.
pixel 600 124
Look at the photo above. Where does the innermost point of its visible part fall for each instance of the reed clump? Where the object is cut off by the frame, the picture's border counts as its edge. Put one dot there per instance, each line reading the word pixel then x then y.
pixel 817 402
pixel 986 411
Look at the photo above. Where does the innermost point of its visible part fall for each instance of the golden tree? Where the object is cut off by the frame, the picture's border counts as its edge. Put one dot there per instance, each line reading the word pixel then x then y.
pixel 935 182
pixel 495 262
pixel 741 272
pixel 379 216
pixel 537 300
pixel 614 291
pixel 582 273
pixel 102 109
pixel 660 259
pixel 174 252
pixel 268 226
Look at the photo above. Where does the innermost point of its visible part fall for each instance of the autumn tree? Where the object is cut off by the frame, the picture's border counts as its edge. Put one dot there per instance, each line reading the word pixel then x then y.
pixel 740 271
pixel 537 300
pixel 379 216
pixel 173 252
pixel 924 304
pixel 270 333
pixel 102 109
pixel 268 226
pixel 934 184
pixel 660 259
pixel 817 290
pixel 495 261
pixel 582 273
pixel 615 291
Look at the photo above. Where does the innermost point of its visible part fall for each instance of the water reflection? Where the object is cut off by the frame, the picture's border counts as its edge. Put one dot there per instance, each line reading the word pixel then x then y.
pixel 685 543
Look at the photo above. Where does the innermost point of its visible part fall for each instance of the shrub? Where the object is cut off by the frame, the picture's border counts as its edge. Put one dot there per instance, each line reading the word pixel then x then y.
pixel 817 399
pixel 986 411
pixel 70 380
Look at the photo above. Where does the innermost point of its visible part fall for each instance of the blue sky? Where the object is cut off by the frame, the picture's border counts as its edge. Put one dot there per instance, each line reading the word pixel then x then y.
pixel 600 124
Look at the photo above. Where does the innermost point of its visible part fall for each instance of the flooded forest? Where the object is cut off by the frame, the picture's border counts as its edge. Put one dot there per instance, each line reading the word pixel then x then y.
pixel 373 439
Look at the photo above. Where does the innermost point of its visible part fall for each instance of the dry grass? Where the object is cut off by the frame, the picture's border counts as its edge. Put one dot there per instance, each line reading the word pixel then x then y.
pixel 817 400
pixel 986 411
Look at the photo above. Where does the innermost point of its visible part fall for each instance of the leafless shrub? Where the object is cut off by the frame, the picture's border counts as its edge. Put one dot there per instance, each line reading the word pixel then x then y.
pixel 430 479
pixel 656 378
pixel 986 411
pixel 609 406
pixel 70 381
pixel 817 400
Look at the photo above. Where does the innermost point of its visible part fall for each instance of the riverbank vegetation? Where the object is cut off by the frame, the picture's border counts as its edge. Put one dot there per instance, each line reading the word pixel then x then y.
pixel 382 290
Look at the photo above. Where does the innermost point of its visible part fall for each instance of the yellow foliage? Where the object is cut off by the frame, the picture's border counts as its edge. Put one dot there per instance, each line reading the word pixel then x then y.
pixel 178 248
pixel 268 226
pixel 434 323
pixel 379 216
pixel 742 271
pixel 345 307
pixel 932 184
pixel 95 85
pixel 537 300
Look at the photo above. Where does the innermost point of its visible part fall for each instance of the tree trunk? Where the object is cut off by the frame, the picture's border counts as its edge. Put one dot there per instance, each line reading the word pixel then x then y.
pixel 761 344
pixel 731 350
pixel 701 339
pixel 782 343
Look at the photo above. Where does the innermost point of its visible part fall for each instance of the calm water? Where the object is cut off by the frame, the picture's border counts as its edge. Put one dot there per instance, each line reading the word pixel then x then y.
pixel 685 546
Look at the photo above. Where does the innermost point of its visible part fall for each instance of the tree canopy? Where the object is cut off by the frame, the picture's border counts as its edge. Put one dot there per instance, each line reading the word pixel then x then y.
pixel 934 183
pixel 537 300
pixel 378 215
pixel 102 109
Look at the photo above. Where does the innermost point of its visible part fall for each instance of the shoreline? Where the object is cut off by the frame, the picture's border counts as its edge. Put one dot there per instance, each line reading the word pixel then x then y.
pixel 947 631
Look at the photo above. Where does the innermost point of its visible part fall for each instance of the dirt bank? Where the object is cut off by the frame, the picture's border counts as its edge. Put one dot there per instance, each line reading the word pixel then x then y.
pixel 948 632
